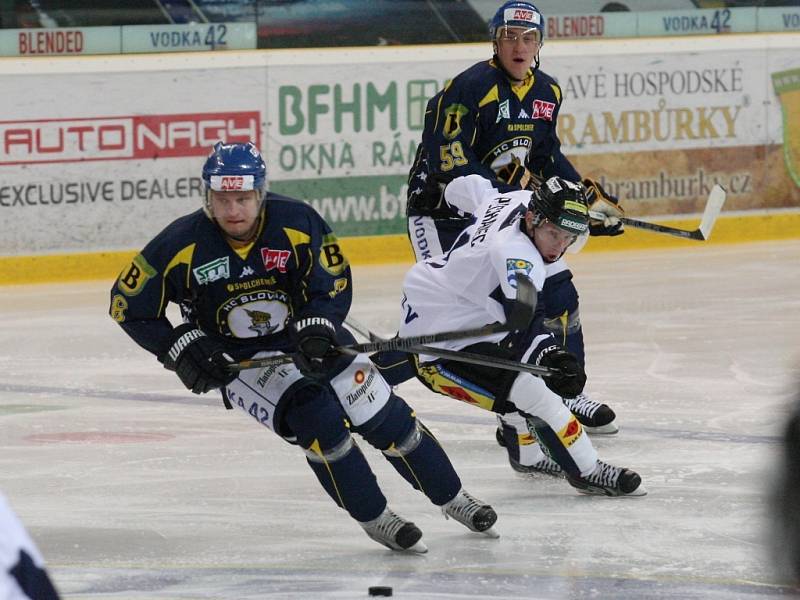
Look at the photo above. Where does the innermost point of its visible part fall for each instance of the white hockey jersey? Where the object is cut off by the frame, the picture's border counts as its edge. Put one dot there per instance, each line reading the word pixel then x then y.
pixel 468 286
pixel 14 540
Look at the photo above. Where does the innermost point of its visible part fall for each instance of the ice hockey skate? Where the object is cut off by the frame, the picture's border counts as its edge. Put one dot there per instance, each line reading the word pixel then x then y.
pixel 471 513
pixel 596 418
pixel 608 480
pixel 395 533
pixel 542 466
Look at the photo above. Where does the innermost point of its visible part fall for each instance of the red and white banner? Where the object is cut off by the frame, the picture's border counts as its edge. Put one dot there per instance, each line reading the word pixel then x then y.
pixel 123 138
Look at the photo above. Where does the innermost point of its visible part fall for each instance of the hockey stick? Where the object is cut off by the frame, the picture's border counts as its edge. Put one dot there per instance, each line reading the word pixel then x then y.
pixel 519 318
pixel 458 355
pixel 713 207
pixel 486 361
pixel 362 330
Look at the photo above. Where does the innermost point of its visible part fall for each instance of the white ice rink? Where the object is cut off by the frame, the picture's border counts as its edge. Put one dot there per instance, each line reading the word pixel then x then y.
pixel 134 488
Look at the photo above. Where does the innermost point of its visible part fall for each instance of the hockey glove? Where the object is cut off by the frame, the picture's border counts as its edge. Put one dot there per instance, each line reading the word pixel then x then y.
pixel 316 339
pixel 429 198
pixel 515 174
pixel 200 362
pixel 604 210
pixel 572 378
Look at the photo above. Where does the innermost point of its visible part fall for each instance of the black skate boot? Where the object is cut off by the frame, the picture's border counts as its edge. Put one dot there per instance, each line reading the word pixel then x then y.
pixel 395 533
pixel 545 466
pixel 608 480
pixel 595 417
pixel 472 513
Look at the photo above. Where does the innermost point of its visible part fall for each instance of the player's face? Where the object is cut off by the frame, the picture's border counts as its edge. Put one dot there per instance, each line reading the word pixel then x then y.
pixel 551 241
pixel 517 48
pixel 236 212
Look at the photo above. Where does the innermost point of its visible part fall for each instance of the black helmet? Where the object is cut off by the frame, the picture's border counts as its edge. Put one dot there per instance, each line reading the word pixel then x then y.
pixel 563 203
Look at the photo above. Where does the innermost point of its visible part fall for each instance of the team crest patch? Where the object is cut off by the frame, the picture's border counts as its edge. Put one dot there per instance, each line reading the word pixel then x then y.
pixel 217 269
pixel 261 322
pixel 517 266
pixel 452 120
pixel 331 257
pixel 253 314
pixel 132 281
pixel 543 110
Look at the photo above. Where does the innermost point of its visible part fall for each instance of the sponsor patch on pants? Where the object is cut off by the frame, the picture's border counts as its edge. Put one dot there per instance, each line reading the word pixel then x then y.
pixel 570 432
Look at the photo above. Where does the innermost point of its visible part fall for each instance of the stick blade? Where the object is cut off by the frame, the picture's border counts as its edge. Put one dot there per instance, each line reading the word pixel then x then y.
pixel 713 207
pixel 524 305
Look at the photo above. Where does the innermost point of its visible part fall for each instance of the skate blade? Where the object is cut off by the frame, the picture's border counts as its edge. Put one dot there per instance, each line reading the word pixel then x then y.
pixel 534 473
pixel 607 429
pixel 597 491
pixel 418 548
pixel 490 533
pixel 639 491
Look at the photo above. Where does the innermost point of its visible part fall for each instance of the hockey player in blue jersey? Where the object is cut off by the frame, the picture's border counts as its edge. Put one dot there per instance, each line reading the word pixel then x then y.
pixel 498 119
pixel 257 274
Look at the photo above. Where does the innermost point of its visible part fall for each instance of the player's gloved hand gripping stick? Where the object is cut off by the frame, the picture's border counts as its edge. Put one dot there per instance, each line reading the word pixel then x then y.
pixel 716 199
pixel 199 360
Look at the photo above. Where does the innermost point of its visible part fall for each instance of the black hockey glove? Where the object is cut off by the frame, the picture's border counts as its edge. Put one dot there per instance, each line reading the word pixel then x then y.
pixel 514 174
pixel 425 196
pixel 572 378
pixel 604 210
pixel 316 339
pixel 200 362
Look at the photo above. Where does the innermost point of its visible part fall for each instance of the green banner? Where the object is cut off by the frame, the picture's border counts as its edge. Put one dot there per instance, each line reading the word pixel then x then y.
pixel 354 206
pixel 787 88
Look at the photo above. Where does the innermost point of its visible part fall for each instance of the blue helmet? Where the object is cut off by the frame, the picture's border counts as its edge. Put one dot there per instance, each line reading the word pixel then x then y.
pixel 232 167
pixel 517 14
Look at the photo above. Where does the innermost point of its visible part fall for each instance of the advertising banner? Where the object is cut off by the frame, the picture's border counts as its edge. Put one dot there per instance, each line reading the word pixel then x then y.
pixel 101 156
pixel 191 37
pixel 108 171
pixel 63 41
pixel 659 130
pixel 60 41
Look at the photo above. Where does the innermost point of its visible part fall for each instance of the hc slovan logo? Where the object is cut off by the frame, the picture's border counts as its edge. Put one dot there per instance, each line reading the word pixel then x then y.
pixel 260 322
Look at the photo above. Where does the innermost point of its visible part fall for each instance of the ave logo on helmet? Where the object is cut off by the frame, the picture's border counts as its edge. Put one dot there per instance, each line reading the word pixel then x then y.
pixel 521 14
pixel 516 14
pixel 232 183
pixel 234 168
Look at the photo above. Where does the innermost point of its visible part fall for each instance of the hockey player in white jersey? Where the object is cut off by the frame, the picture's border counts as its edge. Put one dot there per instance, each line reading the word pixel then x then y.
pixel 513 235
pixel 22 571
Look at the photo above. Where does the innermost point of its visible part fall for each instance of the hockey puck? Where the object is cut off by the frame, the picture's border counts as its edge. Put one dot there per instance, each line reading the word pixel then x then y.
pixel 380 590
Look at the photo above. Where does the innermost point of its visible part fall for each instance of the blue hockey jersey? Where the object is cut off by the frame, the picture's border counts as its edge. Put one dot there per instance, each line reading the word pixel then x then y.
pixel 244 296
pixel 479 123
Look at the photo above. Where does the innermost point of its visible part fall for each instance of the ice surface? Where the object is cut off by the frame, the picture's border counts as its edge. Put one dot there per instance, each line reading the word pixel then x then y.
pixel 134 488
